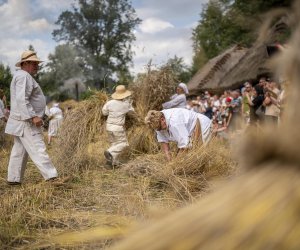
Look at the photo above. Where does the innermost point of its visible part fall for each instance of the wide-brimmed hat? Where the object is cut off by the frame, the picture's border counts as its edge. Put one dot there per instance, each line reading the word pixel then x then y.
pixel 28 56
pixel 121 93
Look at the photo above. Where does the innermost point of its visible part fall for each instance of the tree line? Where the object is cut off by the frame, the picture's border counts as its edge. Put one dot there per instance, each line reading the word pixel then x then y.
pixel 95 39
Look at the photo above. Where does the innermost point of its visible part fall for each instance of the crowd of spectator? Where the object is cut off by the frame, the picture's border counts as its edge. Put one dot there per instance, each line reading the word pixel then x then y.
pixel 251 105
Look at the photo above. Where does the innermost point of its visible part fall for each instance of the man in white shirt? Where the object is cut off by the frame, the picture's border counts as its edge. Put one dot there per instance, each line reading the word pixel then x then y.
pixel 24 123
pixel 185 127
pixel 179 99
pixel 116 110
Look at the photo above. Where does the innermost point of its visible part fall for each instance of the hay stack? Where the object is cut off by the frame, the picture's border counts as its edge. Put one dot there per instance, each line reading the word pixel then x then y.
pixel 188 173
pixel 79 129
pixel 68 105
pixel 152 90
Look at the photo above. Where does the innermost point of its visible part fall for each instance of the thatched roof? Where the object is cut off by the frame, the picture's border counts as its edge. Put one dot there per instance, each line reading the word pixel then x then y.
pixel 212 74
pixel 236 65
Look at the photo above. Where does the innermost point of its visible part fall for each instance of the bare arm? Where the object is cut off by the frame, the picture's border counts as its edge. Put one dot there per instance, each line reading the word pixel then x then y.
pixel 166 149
pixel 229 119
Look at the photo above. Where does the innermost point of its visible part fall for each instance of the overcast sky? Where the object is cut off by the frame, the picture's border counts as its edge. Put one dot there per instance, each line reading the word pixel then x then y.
pixel 166 29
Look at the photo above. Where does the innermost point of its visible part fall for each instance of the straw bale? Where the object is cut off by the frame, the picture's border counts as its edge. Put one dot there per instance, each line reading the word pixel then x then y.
pixel 188 173
pixel 78 130
pixel 68 104
pixel 152 90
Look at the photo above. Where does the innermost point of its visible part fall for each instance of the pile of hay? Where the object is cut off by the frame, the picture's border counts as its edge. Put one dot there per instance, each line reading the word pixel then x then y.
pixel 80 128
pixel 188 173
pixel 153 89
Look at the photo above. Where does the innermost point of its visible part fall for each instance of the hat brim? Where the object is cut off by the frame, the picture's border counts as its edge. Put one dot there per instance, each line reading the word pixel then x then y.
pixel 121 96
pixel 18 64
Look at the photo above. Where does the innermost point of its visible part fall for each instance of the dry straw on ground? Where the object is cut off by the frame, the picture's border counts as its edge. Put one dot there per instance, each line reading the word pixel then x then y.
pixel 189 173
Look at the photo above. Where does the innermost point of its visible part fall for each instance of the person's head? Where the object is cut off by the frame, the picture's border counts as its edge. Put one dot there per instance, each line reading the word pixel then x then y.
pixel 182 89
pixel 262 81
pixel 189 102
pixel 235 94
pixel 156 120
pixel 248 86
pixel 121 93
pixel 56 105
pixel 29 62
pixel 216 97
pixel 271 85
pixel 226 93
pixel 195 103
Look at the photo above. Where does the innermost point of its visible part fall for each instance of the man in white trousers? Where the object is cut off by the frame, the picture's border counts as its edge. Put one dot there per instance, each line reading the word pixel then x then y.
pixel 27 109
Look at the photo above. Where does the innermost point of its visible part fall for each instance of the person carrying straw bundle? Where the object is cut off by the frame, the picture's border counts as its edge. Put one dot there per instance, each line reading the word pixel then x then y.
pixel 116 110
pixel 185 127
pixel 25 122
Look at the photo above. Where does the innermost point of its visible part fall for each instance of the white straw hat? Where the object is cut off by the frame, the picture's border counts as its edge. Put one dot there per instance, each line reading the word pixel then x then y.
pixel 28 56
pixel 121 93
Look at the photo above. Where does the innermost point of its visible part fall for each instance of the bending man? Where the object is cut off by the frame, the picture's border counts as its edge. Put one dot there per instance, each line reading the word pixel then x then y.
pixel 185 127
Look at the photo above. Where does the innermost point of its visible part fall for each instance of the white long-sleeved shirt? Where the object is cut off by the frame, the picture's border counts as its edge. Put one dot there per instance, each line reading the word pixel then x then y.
pixel 56 113
pixel 116 111
pixel 27 100
pixel 177 101
pixel 180 126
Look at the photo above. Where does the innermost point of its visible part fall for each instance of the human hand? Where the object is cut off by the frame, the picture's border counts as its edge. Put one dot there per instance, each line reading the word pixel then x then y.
pixel 37 121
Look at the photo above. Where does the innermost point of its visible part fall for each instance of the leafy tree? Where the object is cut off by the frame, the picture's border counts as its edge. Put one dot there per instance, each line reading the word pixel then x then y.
pixel 179 69
pixel 199 60
pixel 224 23
pixel 102 30
pixel 64 63
pixel 5 79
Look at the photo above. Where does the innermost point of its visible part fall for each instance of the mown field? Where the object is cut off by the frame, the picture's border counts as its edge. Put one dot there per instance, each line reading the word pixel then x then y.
pixel 104 205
